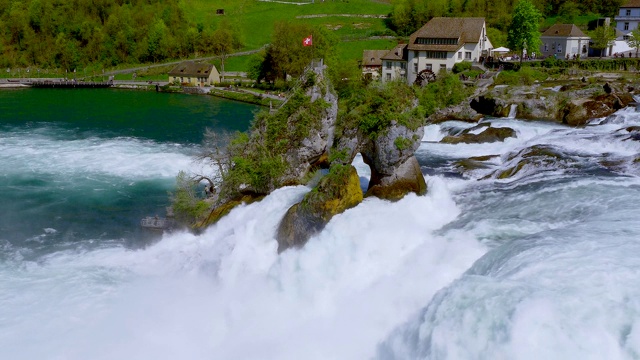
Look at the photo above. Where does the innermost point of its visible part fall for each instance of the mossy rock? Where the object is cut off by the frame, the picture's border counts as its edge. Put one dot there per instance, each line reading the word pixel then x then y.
pixel 407 178
pixel 218 212
pixel 336 192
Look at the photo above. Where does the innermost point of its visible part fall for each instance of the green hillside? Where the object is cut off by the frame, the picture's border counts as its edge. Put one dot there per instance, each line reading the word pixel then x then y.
pixel 95 34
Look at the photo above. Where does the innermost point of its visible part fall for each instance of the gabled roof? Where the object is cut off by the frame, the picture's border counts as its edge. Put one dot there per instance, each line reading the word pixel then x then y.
pixel 466 30
pixel 373 57
pixel 399 53
pixel 564 30
pixel 631 4
pixel 191 69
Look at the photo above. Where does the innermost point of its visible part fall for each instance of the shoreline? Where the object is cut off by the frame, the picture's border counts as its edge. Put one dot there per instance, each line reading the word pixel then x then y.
pixel 241 94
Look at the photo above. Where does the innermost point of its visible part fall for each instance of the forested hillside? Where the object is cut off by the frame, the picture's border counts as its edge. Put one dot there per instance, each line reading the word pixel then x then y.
pixel 71 33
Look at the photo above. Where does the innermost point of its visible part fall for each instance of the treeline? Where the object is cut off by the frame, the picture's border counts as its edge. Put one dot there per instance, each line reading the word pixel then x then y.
pixel 409 15
pixel 70 34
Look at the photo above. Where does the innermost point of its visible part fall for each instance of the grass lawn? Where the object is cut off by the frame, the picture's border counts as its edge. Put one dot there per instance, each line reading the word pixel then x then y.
pixel 255 19
pixel 352 50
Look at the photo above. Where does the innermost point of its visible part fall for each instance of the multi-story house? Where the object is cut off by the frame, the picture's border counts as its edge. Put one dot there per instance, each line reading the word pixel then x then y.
pixel 442 42
pixel 628 16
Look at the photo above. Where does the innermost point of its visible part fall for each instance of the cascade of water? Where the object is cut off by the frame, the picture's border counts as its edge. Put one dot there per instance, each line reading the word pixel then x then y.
pixel 512 111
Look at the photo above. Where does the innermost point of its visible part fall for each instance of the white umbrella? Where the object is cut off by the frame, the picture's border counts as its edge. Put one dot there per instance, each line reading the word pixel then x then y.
pixel 501 49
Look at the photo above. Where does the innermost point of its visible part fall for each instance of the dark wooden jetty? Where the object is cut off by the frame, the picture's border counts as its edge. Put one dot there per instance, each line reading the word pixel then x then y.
pixel 69 84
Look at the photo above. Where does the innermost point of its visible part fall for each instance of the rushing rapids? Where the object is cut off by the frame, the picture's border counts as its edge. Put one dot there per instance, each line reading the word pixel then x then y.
pixel 538 264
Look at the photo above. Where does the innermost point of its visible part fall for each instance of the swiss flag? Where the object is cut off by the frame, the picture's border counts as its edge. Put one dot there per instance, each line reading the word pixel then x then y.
pixel 308 41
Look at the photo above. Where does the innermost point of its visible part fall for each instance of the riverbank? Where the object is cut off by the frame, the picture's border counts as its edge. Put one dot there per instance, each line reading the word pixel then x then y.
pixel 230 93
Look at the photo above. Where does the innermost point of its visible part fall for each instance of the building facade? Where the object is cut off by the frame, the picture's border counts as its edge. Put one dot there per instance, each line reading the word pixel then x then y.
pixel 394 63
pixel 628 17
pixel 442 42
pixel 564 41
pixel 372 63
pixel 191 73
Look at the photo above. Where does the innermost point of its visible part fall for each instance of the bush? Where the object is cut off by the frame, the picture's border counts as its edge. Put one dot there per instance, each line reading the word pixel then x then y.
pixel 525 76
pixel 446 91
pixel 461 66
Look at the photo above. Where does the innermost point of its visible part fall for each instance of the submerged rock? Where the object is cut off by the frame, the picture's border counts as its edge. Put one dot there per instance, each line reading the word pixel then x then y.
pixel 489 135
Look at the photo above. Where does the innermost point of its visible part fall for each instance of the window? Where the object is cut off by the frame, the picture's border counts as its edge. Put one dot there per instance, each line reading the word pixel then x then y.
pixel 443 67
pixel 459 54
pixel 437 41
pixel 416 53
pixel 467 55
pixel 559 48
pixel 428 67
pixel 546 47
pixel 415 67
pixel 626 26
pixel 436 54
pixel 388 65
pixel 403 65
pixel 388 76
pixel 628 12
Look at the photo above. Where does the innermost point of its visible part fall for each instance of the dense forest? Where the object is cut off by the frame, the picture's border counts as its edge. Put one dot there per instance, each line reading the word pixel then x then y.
pixel 68 34
pixel 409 15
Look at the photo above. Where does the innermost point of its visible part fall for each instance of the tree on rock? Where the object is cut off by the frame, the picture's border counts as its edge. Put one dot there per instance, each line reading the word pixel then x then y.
pixel 523 32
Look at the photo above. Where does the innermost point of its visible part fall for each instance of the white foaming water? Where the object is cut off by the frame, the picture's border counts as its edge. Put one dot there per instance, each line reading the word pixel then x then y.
pixel 227 294
pixel 39 152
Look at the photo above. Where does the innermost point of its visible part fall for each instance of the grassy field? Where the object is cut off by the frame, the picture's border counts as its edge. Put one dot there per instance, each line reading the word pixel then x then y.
pixel 255 19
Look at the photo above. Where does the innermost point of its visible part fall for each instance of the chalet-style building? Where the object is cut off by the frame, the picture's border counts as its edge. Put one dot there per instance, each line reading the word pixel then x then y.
pixel 628 16
pixel 191 73
pixel 564 40
pixel 394 63
pixel 372 63
pixel 442 42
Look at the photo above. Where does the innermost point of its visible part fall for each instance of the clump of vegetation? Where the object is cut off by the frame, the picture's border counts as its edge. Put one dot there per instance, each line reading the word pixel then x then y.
pixel 525 76
pixel 461 66
pixel 188 201
pixel 373 109
pixel 446 91
pixel 402 143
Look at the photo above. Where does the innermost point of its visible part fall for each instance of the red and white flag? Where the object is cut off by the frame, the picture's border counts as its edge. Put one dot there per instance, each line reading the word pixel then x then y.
pixel 308 41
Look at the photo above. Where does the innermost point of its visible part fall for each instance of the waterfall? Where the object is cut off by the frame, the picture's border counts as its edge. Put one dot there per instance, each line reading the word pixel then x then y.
pixel 512 111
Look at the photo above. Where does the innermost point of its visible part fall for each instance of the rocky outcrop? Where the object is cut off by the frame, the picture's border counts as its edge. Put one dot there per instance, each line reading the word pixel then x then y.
pixel 335 193
pixel 307 134
pixel 489 135
pixel 461 112
pixel 574 105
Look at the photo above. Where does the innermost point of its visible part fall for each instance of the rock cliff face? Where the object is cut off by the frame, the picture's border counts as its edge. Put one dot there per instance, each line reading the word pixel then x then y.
pixel 306 134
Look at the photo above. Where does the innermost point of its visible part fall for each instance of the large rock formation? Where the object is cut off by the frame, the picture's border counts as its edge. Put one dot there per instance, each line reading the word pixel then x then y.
pixel 306 134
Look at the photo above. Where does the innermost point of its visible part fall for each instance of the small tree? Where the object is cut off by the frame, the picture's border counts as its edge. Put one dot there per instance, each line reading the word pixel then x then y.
pixel 603 37
pixel 634 39
pixel 523 32
pixel 223 42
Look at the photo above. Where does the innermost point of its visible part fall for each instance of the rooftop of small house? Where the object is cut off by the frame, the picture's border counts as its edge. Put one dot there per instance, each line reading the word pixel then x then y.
pixel 564 30
pixel 373 57
pixel 191 69
pixel 398 53
pixel 454 32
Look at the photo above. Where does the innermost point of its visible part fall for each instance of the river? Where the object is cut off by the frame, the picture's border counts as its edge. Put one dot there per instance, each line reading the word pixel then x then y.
pixel 542 265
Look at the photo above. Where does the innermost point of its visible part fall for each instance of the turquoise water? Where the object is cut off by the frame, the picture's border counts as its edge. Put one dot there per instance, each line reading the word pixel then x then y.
pixel 86 165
